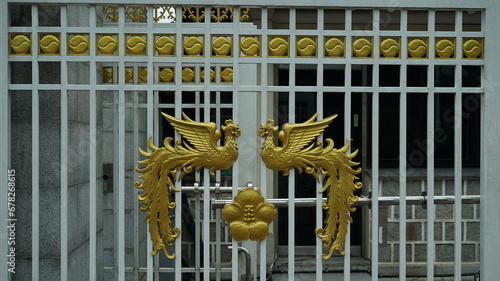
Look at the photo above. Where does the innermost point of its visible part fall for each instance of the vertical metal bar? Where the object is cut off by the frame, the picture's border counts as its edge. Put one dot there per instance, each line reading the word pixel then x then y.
pixel 375 185
pixel 402 183
pixel 120 234
pixel 319 108
pixel 457 181
pixel 490 133
pixel 263 116
pixel 92 153
pixel 403 100
pixel 178 195
pixel 291 177
pixel 431 209
pixel 4 133
pixel 35 157
pixel 206 176
pixel 64 150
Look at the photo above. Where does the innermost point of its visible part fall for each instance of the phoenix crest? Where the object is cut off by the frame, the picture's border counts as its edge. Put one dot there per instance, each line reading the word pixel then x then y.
pixel 333 165
pixel 198 149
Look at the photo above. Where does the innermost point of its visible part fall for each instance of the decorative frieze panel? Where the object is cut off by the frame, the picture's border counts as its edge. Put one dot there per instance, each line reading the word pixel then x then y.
pixel 248 46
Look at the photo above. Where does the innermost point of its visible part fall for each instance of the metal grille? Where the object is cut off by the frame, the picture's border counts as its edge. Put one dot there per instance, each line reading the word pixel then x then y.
pixel 111 70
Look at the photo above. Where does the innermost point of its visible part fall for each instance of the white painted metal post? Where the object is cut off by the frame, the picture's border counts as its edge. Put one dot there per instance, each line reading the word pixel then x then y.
pixel 490 154
pixel 4 135
pixel 35 158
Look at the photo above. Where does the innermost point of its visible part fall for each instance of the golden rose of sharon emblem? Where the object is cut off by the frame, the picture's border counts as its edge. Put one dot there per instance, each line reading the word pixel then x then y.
pixel 249 216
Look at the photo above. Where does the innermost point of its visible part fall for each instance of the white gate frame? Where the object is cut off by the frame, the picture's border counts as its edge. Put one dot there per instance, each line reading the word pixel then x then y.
pixel 490 130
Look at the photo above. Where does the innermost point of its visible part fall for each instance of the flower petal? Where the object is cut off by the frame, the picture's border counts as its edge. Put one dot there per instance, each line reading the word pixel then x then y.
pixel 232 212
pixel 249 196
pixel 239 231
pixel 258 230
pixel 265 212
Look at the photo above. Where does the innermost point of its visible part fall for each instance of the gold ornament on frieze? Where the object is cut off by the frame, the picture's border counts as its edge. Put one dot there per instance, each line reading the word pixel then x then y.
pixel 78 44
pixel 129 74
pixel 306 46
pixel 418 48
pixel 278 46
pixel 362 47
pixel 107 75
pixel 250 46
pixel 335 47
pixel 49 44
pixel 136 45
pixel 107 44
pixel 226 74
pixel 472 48
pixel 166 74
pixel 143 74
pixel 389 47
pixel 193 45
pixel 222 45
pixel 445 48
pixel 188 74
pixel 249 216
pixel 334 166
pixel 20 44
pixel 165 45
pixel 211 75
pixel 197 150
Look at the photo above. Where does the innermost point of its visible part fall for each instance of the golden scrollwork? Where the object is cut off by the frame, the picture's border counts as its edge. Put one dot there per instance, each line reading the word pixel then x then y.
pixel 226 74
pixel 417 48
pixel 165 45
pixel 306 46
pixel 107 44
pixel 278 46
pixel 136 45
pixel 250 46
pixel 333 165
pixel 188 74
pixel 472 48
pixel 193 45
pixel 196 14
pixel 244 14
pixel 197 150
pixel 389 47
pixel 211 75
pixel 111 12
pixel 20 44
pixel 136 13
pixel 362 47
pixel 222 46
pixel 445 48
pixel 49 44
pixel 334 47
pixel 159 13
pixel 249 216
pixel 78 44
pixel 166 74
pixel 220 14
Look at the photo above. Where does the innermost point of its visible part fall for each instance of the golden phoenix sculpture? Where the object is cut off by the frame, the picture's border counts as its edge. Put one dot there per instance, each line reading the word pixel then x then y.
pixel 199 149
pixel 334 166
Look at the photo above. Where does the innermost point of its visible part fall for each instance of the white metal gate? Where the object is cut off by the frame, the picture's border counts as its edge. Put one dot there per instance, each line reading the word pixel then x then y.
pixel 84 84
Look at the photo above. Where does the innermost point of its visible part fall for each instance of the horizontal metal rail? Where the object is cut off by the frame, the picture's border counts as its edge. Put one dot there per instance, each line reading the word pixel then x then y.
pixel 363 201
